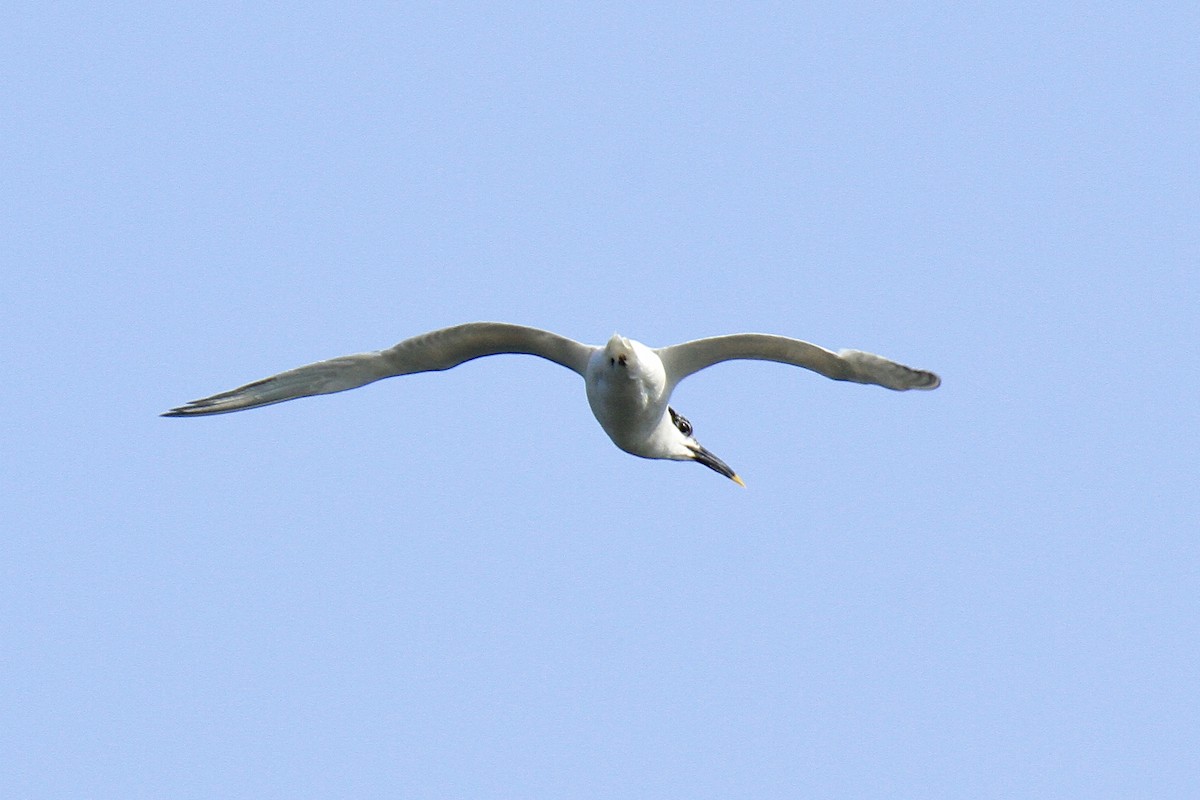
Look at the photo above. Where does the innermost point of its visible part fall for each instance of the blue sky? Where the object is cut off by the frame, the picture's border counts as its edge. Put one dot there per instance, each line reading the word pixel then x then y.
pixel 453 585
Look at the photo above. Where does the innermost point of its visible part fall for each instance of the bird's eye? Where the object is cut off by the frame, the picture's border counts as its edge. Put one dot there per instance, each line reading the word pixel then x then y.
pixel 681 422
pixel 612 362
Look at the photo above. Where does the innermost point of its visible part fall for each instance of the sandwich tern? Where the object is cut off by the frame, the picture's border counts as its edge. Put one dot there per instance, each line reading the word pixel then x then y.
pixel 628 384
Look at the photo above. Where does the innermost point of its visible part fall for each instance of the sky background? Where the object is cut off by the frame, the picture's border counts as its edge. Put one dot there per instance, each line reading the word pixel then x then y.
pixel 452 585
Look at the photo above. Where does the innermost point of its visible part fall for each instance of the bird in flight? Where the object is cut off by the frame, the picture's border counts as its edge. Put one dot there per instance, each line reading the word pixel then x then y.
pixel 628 384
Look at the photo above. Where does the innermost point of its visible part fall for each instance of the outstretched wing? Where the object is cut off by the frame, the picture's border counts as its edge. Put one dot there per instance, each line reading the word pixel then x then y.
pixel 684 359
pixel 436 350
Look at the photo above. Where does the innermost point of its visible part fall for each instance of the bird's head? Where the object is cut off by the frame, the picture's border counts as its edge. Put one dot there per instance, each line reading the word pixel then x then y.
pixel 684 447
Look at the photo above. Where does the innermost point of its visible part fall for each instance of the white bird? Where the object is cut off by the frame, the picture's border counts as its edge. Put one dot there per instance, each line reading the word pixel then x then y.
pixel 628 384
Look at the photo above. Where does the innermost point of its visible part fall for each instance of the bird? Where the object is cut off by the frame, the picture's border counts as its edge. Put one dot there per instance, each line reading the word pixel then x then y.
pixel 628 384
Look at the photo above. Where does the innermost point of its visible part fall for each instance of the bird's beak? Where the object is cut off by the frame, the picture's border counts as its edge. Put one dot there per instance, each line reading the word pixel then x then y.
pixel 705 457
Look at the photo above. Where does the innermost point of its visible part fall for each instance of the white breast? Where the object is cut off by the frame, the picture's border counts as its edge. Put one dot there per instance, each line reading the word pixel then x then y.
pixel 627 390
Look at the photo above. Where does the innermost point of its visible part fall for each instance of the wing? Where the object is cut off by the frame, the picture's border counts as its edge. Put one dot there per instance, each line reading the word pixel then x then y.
pixel 684 359
pixel 436 350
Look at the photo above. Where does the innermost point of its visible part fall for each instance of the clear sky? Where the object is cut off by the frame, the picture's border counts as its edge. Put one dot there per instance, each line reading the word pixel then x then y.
pixel 453 585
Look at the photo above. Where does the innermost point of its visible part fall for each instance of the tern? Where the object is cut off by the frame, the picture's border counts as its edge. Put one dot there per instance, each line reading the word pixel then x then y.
pixel 628 384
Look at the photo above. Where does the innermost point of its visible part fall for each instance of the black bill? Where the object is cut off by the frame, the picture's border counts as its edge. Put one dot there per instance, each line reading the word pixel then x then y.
pixel 709 460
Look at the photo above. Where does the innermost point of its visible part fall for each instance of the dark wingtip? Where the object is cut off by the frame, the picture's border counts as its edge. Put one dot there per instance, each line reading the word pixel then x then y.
pixel 191 409
pixel 931 381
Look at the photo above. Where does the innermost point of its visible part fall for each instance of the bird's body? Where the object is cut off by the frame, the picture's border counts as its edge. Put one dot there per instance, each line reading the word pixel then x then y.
pixel 627 390
pixel 628 384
